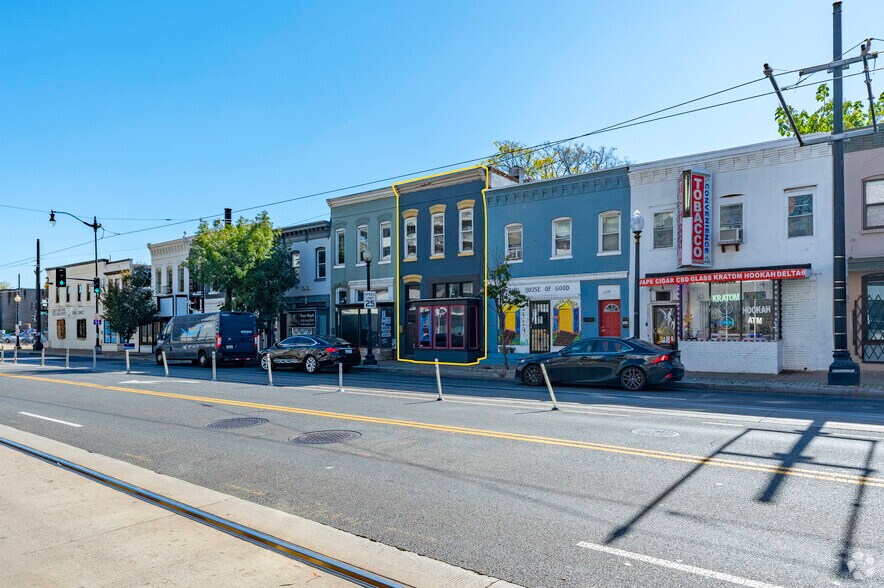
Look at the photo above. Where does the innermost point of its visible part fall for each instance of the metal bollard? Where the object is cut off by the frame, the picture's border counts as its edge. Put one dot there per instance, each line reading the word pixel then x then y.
pixel 67 359
pixel 214 367
pixel 165 364
pixel 94 359
pixel 438 381
pixel 15 355
pixel 2 355
pixel 127 361
pixel 340 377
pixel 43 357
pixel 269 371
pixel 549 387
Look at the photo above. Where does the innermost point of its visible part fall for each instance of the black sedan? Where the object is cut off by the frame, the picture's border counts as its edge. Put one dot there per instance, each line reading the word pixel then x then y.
pixel 311 353
pixel 632 363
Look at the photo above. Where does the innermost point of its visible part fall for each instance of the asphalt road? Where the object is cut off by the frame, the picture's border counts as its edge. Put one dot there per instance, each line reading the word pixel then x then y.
pixel 659 488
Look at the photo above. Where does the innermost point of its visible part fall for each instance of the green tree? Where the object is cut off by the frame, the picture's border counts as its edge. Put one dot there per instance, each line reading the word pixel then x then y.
pixel 263 292
pixel 821 120
pixel 553 161
pixel 504 297
pixel 222 256
pixel 131 305
pixel 4 286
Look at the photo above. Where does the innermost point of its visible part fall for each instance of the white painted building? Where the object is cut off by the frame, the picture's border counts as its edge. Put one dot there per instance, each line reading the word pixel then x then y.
pixel 763 301
pixel 72 313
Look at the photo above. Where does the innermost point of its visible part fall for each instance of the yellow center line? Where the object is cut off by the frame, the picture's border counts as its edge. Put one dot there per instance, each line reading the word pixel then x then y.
pixel 624 450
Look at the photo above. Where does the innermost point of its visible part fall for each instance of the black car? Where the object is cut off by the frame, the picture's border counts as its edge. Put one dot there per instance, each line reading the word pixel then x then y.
pixel 310 352
pixel 632 363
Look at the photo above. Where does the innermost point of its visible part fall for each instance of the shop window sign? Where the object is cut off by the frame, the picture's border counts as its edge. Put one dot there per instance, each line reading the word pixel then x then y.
pixel 730 311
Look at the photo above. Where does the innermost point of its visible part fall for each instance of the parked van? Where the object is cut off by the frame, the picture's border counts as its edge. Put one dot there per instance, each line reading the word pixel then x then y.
pixel 233 336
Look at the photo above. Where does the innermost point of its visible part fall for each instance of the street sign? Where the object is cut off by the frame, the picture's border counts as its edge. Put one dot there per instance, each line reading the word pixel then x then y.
pixel 129 346
pixel 96 322
pixel 370 299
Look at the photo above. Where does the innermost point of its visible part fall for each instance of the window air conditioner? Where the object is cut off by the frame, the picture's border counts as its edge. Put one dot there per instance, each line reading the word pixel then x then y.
pixel 730 235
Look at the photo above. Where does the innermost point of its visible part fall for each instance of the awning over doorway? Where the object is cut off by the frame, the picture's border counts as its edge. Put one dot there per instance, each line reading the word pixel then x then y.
pixel 790 272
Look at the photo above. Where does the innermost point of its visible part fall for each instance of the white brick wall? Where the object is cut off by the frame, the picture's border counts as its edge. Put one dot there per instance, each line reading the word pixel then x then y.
pixel 807 324
pixel 732 356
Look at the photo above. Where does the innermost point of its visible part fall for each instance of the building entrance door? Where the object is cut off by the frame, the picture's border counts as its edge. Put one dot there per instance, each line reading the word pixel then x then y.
pixel 410 331
pixel 609 318
pixel 664 325
pixel 539 326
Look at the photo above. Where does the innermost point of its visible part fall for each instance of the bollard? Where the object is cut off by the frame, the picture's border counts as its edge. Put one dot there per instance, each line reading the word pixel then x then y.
pixel 549 387
pixel 340 377
pixel 43 357
pixel 214 367
pixel 15 355
pixel 67 359
pixel 2 355
pixel 269 370
pixel 165 364
pixel 94 359
pixel 438 381
pixel 127 361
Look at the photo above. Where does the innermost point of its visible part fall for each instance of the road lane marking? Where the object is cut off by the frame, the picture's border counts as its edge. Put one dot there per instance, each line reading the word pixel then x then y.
pixel 724 424
pixel 587 445
pixel 45 418
pixel 672 565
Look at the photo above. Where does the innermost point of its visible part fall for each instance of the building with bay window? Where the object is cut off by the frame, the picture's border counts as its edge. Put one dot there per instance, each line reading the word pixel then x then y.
pixel 736 257
pixel 567 243
pixel 307 305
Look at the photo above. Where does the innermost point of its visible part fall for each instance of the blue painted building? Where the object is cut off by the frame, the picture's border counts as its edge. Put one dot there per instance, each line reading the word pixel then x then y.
pixel 567 241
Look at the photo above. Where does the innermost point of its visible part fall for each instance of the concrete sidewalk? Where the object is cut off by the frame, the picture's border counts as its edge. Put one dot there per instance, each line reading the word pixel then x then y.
pixel 58 528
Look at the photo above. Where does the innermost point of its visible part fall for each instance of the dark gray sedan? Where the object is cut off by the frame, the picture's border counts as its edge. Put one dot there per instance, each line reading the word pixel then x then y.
pixel 632 363
pixel 311 353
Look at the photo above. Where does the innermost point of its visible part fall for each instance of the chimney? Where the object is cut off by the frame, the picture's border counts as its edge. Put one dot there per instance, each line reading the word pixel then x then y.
pixel 519 173
pixel 228 214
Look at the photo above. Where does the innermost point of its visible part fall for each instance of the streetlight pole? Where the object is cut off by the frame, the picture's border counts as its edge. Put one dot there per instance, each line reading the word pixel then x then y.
pixel 366 257
pixel 94 225
pixel 38 343
pixel 638 223
pixel 17 320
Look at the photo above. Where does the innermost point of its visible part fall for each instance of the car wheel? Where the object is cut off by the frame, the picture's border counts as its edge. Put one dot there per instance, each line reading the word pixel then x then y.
pixel 311 366
pixel 633 379
pixel 265 362
pixel 202 359
pixel 532 375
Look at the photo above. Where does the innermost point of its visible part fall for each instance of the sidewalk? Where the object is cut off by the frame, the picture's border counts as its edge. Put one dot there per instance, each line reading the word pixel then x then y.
pixel 61 529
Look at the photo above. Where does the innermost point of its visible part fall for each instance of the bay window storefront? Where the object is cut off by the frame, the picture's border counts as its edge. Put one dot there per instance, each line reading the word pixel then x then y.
pixel 447 329
pixel 730 311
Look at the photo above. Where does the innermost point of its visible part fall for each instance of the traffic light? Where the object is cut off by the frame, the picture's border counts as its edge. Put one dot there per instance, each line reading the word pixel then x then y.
pixel 195 303
pixel 61 277
pixel 96 285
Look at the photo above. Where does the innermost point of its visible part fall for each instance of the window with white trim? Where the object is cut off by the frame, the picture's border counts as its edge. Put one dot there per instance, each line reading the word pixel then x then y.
pixel 320 263
pixel 730 224
pixel 437 246
pixel 296 264
pixel 181 279
pixel 340 248
pixel 361 242
pixel 386 242
pixel 513 242
pixel 800 215
pixel 466 230
pixel 663 229
pixel 609 232
pixel 873 204
pixel 411 238
pixel 561 233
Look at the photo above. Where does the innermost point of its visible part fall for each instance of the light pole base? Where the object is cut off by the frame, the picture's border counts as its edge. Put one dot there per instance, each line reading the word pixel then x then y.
pixel 843 371
pixel 97 349
pixel 38 346
pixel 369 360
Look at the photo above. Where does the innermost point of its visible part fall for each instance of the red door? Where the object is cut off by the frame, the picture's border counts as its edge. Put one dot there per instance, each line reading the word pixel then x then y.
pixel 609 318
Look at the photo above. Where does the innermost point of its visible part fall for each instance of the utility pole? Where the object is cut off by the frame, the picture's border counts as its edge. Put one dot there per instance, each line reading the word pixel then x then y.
pixel 843 371
pixel 38 342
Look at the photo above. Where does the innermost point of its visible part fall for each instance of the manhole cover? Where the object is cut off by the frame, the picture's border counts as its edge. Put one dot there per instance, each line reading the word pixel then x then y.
pixel 237 423
pixel 323 437
pixel 656 432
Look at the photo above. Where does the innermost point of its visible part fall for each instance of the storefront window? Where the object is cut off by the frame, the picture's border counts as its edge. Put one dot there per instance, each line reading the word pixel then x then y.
pixel 724 317
pixel 695 320
pixel 759 311
pixel 457 327
pixel 440 326
pixel 729 311
pixel 424 338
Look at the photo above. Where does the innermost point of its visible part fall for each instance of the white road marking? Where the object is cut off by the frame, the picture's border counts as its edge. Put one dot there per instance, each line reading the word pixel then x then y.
pixel 724 424
pixel 139 382
pixel 665 563
pixel 36 416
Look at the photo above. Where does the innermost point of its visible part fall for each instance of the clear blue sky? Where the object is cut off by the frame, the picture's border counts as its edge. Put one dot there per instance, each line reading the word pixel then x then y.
pixel 177 109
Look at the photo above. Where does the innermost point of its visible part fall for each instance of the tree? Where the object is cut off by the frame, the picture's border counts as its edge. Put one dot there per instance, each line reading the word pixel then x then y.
pixel 4 286
pixel 263 292
pixel 504 298
pixel 553 161
pixel 131 305
pixel 856 114
pixel 222 256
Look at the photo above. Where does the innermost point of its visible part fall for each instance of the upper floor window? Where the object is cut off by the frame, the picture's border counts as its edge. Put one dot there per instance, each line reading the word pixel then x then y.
pixel 296 264
pixel 67 293
pixel 169 281
pixel 663 229
pixel 411 238
pixel 159 282
pixel 79 292
pixel 181 278
pixel 466 230
pixel 438 242
pixel 386 241
pixel 340 249
pixel 361 242
pixel 320 263
pixel 561 237
pixel 609 232
pixel 513 238
pixel 873 204
pixel 730 226
pixel 800 215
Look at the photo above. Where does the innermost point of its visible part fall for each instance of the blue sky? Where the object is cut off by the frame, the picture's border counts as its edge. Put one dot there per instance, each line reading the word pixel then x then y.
pixel 136 112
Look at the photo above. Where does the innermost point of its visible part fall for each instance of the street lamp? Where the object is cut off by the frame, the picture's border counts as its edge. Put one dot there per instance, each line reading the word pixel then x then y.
pixel 637 222
pixel 17 322
pixel 94 225
pixel 366 257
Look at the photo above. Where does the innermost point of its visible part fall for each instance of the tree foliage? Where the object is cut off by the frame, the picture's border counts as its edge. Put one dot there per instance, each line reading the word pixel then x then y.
pixel 4 286
pixel 553 161
pixel 821 120
pixel 263 292
pixel 127 307
pixel 504 298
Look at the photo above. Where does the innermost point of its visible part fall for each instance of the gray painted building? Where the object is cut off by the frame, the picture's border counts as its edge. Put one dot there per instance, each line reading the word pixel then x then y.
pixel 307 305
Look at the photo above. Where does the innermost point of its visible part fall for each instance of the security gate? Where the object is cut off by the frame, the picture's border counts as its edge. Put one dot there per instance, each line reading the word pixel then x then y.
pixel 868 323
pixel 539 326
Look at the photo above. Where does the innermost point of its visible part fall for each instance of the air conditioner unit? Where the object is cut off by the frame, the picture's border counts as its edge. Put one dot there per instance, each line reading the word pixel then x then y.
pixel 730 236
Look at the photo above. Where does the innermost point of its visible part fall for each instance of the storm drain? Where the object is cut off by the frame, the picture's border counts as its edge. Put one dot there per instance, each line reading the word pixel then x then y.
pixel 656 432
pixel 324 437
pixel 237 423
